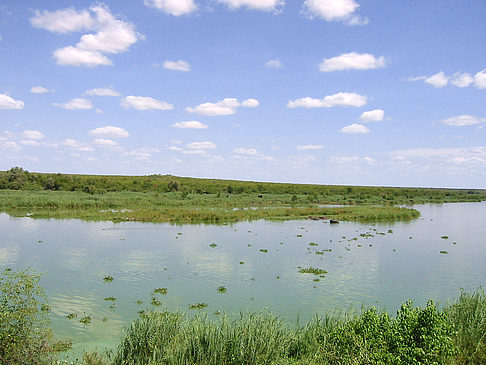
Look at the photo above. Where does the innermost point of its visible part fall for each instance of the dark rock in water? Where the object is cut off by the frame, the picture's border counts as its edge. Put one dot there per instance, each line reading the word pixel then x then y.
pixel 334 221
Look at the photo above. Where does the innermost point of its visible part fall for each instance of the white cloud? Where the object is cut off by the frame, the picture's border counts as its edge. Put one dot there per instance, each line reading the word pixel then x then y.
pixel 463 120
pixel 103 91
pixel 11 145
pixel 145 103
pixel 334 10
pixel 462 79
pixel 175 148
pixel 103 142
pixel 192 124
pixel 480 79
pixel 245 151
pixel 173 7
pixel 227 106
pixel 250 103
pixel 29 142
pixel 201 145
pixel 111 35
pixel 455 156
pixel 352 61
pixel 355 160
pixel 38 90
pixel 437 80
pixel 376 115
pixel 63 21
pixel 339 99
pixel 355 128
pixel 109 132
pixel 265 5
pixel 76 104
pixel 309 147
pixel 275 64
pixel 179 65
pixel 6 102
pixel 30 134
pixel 76 145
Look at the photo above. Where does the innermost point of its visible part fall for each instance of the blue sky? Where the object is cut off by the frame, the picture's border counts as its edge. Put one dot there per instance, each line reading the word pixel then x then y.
pixel 312 91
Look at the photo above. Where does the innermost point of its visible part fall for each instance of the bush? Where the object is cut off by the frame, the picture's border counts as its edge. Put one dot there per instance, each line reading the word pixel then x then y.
pixel 25 337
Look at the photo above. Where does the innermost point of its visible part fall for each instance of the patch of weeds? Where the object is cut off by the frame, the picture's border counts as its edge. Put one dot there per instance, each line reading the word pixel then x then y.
pixel 85 320
pixel 198 305
pixel 299 235
pixel 156 302
pixel 139 302
pixel 45 307
pixel 108 278
pixel 390 231
pixel 111 299
pixel 264 250
pixel 312 270
pixel 162 291
pixel 222 289
pixel 242 262
pixel 71 315
pixel 104 319
pixel 213 245
pixel 445 237
pixel 313 244
pixel 444 252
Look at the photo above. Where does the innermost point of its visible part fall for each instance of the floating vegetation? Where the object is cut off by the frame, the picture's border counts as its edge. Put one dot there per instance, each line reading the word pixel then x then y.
pixel 445 237
pixel 319 253
pixel 71 316
pixel 222 289
pixel 155 302
pixel 217 312
pixel 104 319
pixel 108 278
pixel 213 245
pixel 312 270
pixel 264 250
pixel 139 302
pixel 299 235
pixel 45 307
pixel 390 231
pixel 179 233
pixel 444 252
pixel 162 291
pixel 242 262
pixel 40 241
pixel 198 305
pixel 85 320
pixel 347 248
pixel 111 299
pixel 360 245
pixel 313 244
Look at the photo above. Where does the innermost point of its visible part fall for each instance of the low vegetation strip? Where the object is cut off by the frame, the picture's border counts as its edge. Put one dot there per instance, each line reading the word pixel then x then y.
pixel 454 334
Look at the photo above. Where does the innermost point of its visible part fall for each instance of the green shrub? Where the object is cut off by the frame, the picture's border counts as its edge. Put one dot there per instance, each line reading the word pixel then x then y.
pixel 25 337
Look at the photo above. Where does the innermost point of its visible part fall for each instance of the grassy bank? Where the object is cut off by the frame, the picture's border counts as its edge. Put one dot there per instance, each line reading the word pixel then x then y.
pixel 452 335
pixel 185 208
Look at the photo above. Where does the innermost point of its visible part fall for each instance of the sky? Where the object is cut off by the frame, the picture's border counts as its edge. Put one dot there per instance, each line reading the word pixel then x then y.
pixel 349 92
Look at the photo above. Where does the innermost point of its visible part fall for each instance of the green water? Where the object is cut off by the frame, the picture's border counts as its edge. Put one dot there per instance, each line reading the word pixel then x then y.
pixel 366 264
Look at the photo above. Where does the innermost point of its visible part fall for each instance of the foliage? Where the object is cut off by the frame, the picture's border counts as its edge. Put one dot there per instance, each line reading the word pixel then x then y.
pixel 25 336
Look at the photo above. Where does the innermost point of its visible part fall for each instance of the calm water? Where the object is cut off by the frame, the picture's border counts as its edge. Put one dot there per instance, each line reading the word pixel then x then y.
pixel 367 264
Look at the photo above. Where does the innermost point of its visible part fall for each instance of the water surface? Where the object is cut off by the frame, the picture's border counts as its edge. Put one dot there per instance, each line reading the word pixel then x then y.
pixel 370 264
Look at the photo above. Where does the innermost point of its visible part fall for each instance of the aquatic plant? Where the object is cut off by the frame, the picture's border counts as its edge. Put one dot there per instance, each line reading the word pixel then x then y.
pixel 444 252
pixel 156 302
pixel 108 278
pixel 162 291
pixel 312 270
pixel 198 305
pixel 213 245
pixel 444 237
pixel 264 250
pixel 222 289
pixel 111 299
pixel 86 319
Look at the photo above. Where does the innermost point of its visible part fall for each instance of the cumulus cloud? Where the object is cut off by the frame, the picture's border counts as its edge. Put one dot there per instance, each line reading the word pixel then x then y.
pixel 38 90
pixel 462 79
pixel 76 104
pixel 29 143
pixel 201 145
pixel 109 132
pixel 355 128
pixel 10 145
pixel 457 156
pixel 76 145
pixel 352 61
pixel 376 115
pixel 250 103
pixel 143 153
pixel 334 10
pixel 275 64
pixel 227 106
pixel 30 134
pixel 309 147
pixel 245 151
pixel 437 80
pixel 177 65
pixel 108 143
pixel 111 35
pixel 173 7
pixel 103 91
pixel 265 5
pixel 463 120
pixel 480 79
pixel 145 103
pixel 6 102
pixel 339 99
pixel 192 124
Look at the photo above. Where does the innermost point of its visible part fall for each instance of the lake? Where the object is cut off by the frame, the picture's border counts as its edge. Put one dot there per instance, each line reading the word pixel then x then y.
pixel 258 262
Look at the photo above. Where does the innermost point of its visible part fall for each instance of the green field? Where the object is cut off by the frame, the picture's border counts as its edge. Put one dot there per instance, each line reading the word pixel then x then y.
pixel 166 198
